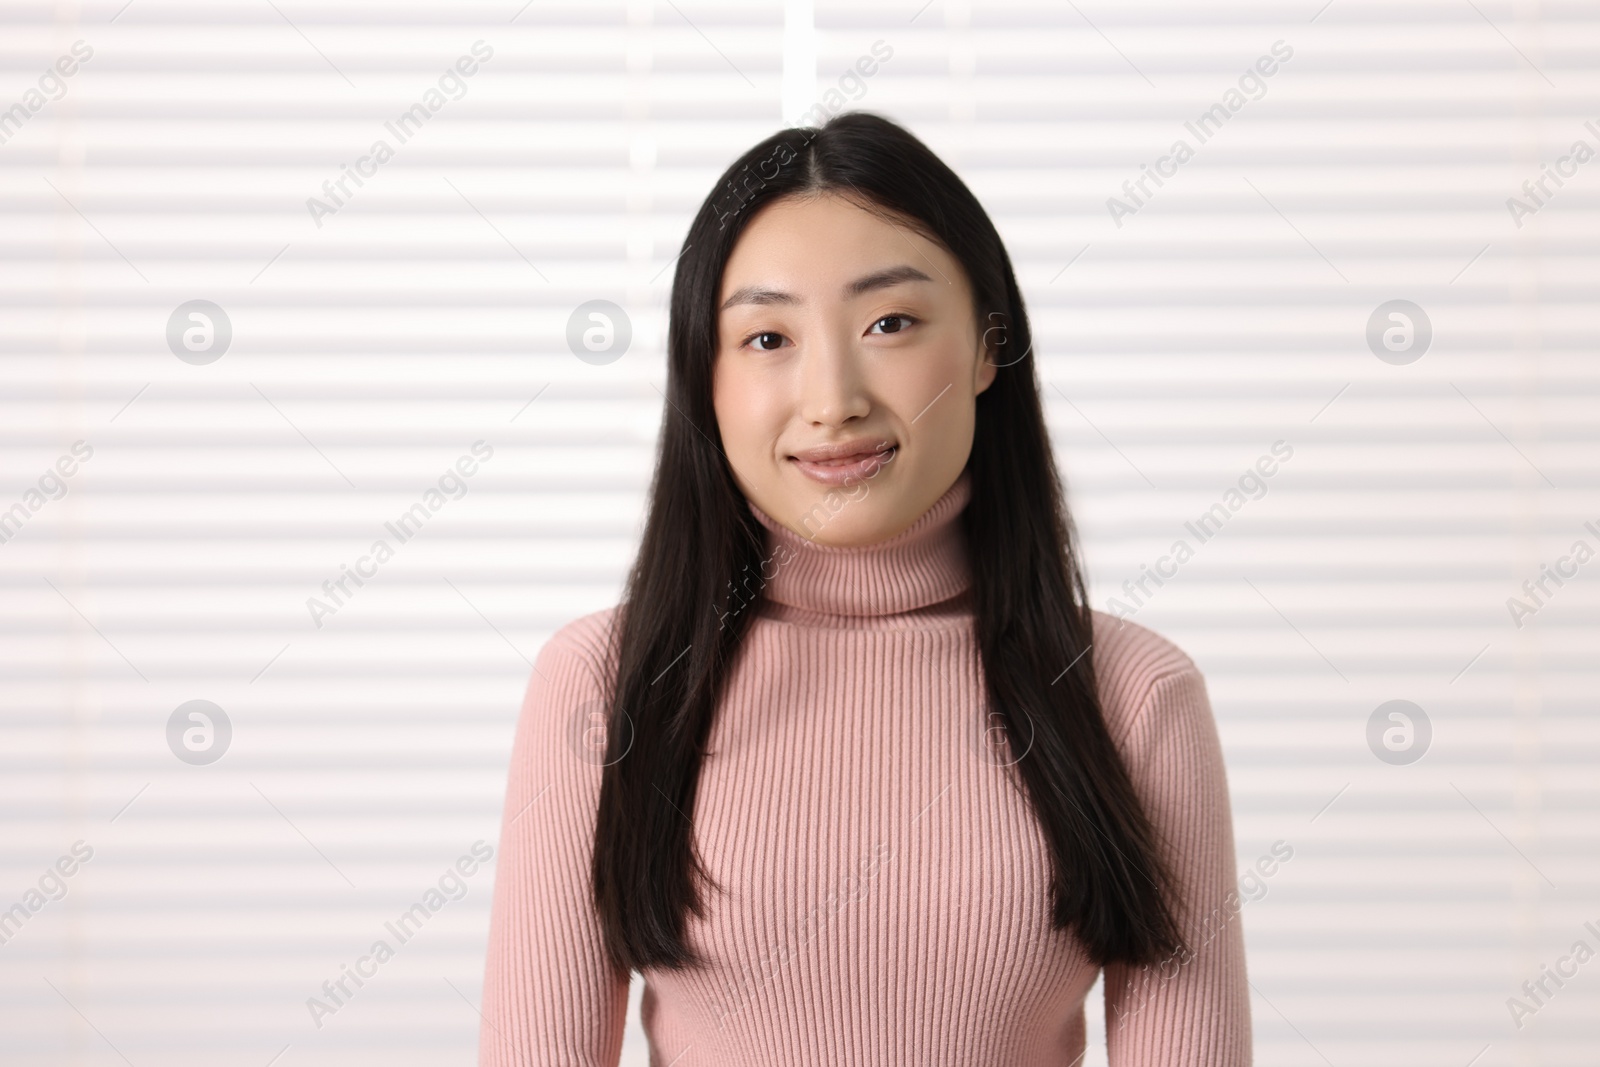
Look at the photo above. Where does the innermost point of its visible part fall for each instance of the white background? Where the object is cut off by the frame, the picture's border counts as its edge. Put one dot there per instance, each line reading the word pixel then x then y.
pixel 430 312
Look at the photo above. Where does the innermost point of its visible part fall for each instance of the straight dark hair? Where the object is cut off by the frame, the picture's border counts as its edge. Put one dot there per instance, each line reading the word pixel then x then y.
pixel 688 600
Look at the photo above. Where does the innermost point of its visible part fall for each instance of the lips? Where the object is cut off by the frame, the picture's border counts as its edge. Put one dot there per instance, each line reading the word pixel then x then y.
pixel 845 463
pixel 846 451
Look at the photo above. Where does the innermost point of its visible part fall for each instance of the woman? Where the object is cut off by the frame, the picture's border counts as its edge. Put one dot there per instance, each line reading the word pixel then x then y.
pixel 853 775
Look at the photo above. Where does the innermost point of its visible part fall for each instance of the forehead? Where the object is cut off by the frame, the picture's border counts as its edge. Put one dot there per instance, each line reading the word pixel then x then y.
pixel 822 243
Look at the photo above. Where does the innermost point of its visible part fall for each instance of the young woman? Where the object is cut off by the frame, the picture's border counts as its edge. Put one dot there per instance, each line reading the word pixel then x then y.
pixel 853 774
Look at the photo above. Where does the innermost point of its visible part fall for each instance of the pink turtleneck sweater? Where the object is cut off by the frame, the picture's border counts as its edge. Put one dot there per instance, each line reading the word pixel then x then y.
pixel 888 898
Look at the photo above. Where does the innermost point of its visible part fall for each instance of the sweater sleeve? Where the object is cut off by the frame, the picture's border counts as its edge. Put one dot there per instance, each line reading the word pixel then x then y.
pixel 1192 1009
pixel 550 996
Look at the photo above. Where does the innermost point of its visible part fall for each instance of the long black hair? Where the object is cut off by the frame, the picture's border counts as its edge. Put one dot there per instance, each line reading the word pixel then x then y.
pixel 685 608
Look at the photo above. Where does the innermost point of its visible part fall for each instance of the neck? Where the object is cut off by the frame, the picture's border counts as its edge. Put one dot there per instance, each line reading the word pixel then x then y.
pixel 922 565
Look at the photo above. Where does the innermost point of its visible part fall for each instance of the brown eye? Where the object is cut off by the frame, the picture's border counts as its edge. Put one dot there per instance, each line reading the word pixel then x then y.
pixel 899 323
pixel 776 338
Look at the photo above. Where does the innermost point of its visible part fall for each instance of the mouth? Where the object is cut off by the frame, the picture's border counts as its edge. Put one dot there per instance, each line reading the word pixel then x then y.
pixel 846 463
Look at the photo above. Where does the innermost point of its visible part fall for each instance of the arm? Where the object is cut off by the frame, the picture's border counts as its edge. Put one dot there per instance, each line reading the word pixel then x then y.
pixel 1193 1009
pixel 550 998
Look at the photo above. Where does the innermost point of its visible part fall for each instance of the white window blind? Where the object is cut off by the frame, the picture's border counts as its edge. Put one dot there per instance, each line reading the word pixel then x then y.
pixel 1339 346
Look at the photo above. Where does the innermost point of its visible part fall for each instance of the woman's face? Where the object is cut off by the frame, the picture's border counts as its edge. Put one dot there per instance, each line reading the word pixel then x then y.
pixel 838 328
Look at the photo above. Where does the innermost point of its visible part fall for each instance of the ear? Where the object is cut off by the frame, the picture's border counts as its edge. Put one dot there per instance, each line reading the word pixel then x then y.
pixel 991 343
pixel 987 369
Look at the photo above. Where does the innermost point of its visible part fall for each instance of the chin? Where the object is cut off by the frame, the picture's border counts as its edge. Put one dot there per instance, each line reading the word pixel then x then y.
pixel 849 518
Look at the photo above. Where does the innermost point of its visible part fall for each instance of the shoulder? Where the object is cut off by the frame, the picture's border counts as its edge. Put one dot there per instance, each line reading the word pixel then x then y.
pixel 1133 665
pixel 565 693
pixel 583 646
pixel 588 639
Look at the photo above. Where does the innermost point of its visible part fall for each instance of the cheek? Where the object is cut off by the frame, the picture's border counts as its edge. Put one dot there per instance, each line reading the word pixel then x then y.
pixel 743 405
pixel 943 371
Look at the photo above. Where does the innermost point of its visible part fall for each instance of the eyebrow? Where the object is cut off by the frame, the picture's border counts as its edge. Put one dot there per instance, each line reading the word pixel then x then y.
pixel 879 279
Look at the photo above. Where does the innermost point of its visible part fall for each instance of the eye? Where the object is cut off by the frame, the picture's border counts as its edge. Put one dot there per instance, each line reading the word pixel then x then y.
pixel 765 335
pixel 904 321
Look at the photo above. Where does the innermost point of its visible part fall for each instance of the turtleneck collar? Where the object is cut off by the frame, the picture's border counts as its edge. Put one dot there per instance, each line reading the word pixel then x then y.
pixel 922 565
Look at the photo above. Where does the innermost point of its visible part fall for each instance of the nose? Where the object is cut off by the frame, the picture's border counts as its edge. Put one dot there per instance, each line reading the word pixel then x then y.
pixel 832 386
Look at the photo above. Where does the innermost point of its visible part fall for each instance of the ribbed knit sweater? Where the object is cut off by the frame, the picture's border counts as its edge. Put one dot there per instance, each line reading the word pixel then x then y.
pixel 888 888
